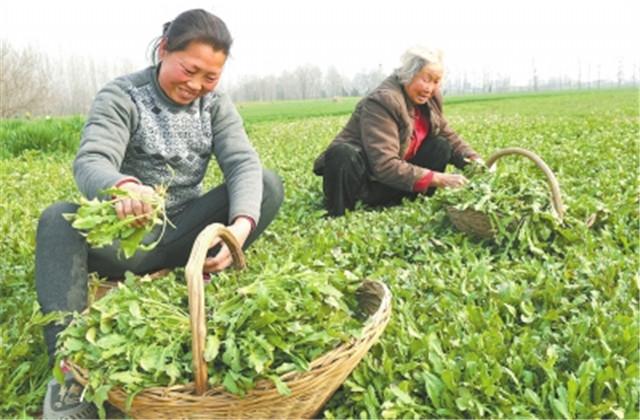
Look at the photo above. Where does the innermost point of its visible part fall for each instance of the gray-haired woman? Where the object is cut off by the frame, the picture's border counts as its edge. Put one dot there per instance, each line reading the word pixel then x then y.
pixel 397 142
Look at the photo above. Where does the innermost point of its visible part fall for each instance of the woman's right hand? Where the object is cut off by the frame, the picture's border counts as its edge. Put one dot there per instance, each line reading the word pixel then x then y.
pixel 443 180
pixel 140 208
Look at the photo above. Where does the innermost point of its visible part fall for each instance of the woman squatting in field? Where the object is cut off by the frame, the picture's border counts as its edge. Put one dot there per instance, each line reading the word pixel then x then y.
pixel 158 126
pixel 397 142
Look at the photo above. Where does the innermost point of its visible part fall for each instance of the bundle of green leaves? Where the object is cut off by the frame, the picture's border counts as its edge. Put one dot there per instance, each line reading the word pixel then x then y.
pixel 515 198
pixel 138 336
pixel 98 221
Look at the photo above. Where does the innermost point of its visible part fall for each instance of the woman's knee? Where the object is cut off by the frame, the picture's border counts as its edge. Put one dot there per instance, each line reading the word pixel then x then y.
pixel 273 187
pixel 53 216
pixel 442 147
pixel 344 158
pixel 340 154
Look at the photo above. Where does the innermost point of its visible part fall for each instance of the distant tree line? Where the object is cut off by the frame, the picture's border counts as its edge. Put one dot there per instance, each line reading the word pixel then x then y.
pixel 309 81
pixel 34 83
pixel 304 82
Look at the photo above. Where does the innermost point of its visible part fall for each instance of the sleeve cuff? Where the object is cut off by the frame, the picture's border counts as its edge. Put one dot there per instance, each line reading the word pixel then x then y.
pixel 250 219
pixel 423 183
pixel 125 180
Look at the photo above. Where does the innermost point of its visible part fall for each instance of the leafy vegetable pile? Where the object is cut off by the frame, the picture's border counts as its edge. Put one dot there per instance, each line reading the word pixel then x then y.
pixel 138 336
pixel 516 202
pixel 98 221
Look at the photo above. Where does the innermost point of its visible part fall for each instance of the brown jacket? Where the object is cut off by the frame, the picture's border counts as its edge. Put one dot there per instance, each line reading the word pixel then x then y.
pixel 382 125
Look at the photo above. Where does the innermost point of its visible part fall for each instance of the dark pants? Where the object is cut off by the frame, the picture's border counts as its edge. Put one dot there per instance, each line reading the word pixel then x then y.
pixel 346 178
pixel 63 258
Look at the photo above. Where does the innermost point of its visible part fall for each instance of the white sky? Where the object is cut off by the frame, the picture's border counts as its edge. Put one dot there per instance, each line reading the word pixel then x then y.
pixel 500 36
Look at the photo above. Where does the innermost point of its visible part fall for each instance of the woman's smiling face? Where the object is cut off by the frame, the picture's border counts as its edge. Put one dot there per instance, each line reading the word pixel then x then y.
pixel 188 74
pixel 424 84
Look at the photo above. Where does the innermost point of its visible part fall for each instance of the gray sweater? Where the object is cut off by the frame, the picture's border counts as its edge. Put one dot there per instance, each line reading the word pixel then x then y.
pixel 135 130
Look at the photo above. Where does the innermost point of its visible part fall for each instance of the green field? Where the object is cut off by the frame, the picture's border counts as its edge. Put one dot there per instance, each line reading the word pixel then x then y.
pixel 477 330
pixel 291 110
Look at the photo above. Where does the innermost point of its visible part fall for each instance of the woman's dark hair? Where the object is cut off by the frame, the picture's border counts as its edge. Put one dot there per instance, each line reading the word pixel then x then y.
pixel 194 25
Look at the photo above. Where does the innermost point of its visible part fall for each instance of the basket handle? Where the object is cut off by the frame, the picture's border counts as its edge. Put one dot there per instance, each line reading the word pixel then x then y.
pixel 195 285
pixel 556 198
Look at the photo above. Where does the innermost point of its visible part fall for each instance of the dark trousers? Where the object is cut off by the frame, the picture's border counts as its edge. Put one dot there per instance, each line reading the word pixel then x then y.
pixel 63 258
pixel 346 178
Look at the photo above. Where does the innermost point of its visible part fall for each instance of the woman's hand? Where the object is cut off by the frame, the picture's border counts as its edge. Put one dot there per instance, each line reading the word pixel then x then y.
pixel 139 206
pixel 443 180
pixel 241 228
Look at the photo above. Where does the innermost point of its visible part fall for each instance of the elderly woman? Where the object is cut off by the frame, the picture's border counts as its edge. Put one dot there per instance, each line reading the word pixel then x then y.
pixel 397 142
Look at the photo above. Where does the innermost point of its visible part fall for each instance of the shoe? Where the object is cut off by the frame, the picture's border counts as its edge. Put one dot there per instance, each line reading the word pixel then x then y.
pixel 63 401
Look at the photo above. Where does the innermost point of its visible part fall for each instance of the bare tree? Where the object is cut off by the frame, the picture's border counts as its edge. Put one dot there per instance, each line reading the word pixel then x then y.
pixel 309 78
pixel 502 83
pixel 365 81
pixel 24 81
pixel 487 81
pixel 620 73
pixel 334 83
pixel 579 80
pixel 288 87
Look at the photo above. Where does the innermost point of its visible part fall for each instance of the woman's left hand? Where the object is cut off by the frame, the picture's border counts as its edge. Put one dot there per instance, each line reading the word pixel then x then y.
pixel 241 228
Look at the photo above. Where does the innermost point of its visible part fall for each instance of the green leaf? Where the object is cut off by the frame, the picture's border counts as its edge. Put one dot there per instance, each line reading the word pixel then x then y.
pixel 125 378
pixel 134 309
pixel 400 394
pixel 231 356
pixel 110 341
pixel 91 335
pixel 230 384
pixel 561 407
pixel 281 386
pixel 211 348
pixel 434 387
pixel 57 372
pixel 151 359
pixel 73 344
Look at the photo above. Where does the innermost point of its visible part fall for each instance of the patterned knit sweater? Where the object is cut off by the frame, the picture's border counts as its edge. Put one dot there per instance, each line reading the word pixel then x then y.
pixel 135 130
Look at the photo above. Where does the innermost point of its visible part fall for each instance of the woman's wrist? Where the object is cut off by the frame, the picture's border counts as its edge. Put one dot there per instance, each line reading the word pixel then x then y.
pixel 127 180
pixel 242 219
pixel 241 228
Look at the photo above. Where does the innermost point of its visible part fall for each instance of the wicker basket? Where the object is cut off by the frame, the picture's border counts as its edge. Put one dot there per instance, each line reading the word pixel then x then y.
pixel 478 224
pixel 309 390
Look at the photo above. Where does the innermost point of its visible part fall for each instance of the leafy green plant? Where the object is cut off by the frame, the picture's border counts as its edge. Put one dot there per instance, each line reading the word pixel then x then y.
pixel 99 223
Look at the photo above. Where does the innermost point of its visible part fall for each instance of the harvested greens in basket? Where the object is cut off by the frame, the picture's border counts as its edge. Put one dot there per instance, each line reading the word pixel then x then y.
pixel 138 336
pixel 98 222
pixel 514 198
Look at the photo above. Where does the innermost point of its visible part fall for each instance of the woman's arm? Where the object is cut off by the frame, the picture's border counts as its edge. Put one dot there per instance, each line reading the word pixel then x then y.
pixel 238 160
pixel 243 175
pixel 105 137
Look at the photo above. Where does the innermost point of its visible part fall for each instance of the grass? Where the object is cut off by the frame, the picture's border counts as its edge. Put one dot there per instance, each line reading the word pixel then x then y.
pixel 290 110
